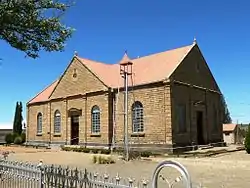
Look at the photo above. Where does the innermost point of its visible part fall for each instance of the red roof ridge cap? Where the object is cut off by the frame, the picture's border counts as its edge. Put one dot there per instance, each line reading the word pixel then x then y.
pixel 82 59
pixel 169 50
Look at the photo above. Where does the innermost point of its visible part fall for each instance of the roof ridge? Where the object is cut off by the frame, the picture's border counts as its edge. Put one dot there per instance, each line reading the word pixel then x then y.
pixel 152 54
pixel 94 61
pixel 157 53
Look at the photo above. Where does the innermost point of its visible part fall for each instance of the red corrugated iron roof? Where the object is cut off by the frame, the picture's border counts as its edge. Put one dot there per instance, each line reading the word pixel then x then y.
pixel 147 69
pixel 152 68
pixel 229 127
pixel 44 95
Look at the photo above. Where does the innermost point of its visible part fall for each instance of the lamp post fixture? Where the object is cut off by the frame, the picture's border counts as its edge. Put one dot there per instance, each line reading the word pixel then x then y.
pixel 125 71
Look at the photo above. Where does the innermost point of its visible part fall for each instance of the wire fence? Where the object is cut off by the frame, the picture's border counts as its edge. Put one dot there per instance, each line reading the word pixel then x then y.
pixel 26 175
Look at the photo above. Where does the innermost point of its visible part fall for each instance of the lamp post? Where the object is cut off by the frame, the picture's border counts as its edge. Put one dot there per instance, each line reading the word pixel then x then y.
pixel 125 71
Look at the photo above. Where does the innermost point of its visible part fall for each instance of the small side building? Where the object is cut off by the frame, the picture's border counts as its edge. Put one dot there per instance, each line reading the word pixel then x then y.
pixel 232 133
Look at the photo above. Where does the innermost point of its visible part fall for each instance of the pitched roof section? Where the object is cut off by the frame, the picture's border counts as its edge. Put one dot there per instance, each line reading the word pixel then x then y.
pixel 44 95
pixel 229 127
pixel 158 67
pixel 147 69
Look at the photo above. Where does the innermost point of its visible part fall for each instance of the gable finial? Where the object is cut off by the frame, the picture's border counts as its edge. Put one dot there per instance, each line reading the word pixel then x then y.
pixel 195 41
pixel 75 53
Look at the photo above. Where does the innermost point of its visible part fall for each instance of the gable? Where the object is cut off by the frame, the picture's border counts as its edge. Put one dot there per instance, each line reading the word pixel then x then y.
pixel 194 70
pixel 77 79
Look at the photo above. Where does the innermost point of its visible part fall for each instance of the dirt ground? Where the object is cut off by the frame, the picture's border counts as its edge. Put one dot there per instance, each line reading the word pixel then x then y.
pixel 229 170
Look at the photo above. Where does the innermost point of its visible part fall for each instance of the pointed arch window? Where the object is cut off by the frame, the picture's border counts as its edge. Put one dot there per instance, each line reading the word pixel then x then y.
pixel 137 117
pixel 57 122
pixel 95 120
pixel 39 123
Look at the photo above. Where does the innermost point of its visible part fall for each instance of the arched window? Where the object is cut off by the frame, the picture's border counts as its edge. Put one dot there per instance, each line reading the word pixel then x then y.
pixel 137 117
pixel 39 123
pixel 95 120
pixel 57 122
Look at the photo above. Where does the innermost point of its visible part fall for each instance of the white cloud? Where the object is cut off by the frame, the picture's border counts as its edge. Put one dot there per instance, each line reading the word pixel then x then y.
pixel 6 125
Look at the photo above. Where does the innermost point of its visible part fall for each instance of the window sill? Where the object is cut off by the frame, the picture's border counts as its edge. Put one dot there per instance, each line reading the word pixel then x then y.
pixel 39 134
pixel 142 134
pixel 57 134
pixel 95 135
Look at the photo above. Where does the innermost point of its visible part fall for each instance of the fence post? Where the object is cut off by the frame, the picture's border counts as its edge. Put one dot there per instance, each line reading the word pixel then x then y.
pixel 85 177
pixel 1 170
pixel 41 168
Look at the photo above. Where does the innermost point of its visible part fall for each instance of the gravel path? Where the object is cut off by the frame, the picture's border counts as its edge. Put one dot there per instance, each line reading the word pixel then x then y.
pixel 229 171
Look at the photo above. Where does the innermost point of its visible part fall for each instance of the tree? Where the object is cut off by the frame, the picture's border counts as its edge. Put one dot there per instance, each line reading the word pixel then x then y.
pixel 226 114
pixel 34 25
pixel 18 118
pixel 20 123
pixel 15 118
pixel 247 141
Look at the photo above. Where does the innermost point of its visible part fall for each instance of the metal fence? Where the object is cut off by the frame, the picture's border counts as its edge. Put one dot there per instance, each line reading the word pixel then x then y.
pixel 25 175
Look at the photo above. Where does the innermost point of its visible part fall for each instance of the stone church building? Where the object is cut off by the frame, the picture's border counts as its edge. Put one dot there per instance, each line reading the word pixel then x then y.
pixel 173 100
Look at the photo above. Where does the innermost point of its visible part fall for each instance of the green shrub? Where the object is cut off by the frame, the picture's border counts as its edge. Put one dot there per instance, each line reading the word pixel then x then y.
pixel 105 151
pixel 18 140
pixel 76 149
pixel 85 150
pixel 81 149
pixel 9 138
pixel 95 151
pixel 119 150
pixel 247 141
pixel 14 135
pixel 146 154
pixel 23 136
pixel 66 148
pixel 134 154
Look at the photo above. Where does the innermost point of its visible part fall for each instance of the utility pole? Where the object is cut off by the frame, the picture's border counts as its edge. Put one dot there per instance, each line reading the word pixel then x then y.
pixel 125 71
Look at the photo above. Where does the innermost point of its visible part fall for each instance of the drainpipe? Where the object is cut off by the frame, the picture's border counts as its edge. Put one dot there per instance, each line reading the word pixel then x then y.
pixel 85 121
pixel 50 138
pixel 208 132
pixel 27 125
pixel 66 124
pixel 114 120
pixel 164 110
pixel 190 116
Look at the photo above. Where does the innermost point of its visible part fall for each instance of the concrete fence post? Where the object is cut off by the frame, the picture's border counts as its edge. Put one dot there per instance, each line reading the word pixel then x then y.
pixel 40 166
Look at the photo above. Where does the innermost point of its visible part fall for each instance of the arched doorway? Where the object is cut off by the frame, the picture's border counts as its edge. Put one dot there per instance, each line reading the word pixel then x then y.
pixel 74 115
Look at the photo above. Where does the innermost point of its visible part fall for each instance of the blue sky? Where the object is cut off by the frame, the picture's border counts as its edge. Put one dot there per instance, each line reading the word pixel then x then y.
pixel 105 29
